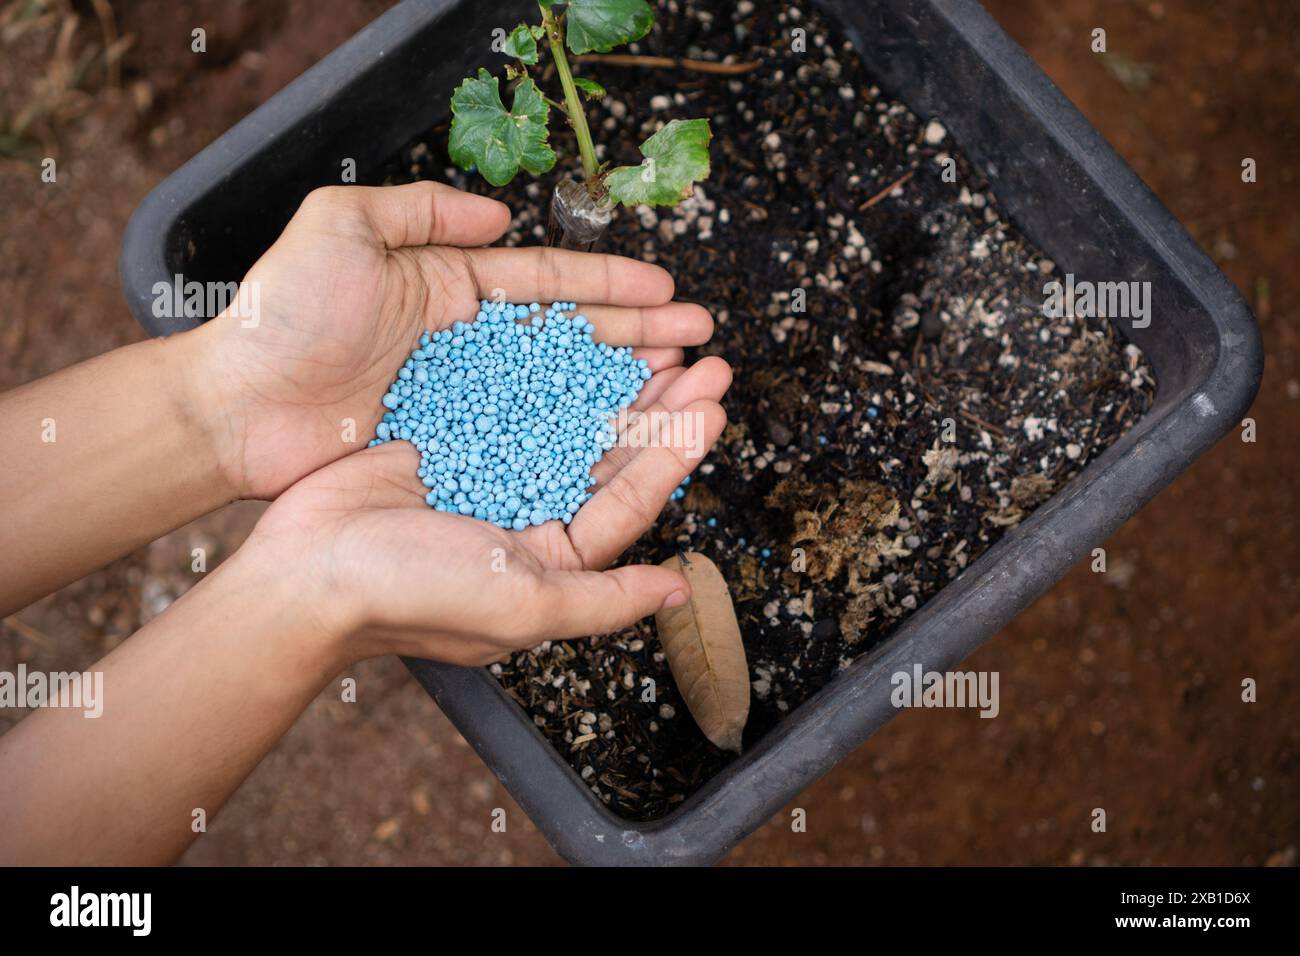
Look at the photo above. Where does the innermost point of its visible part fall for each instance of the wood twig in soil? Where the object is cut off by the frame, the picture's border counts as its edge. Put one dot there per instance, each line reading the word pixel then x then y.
pixel 971 417
pixel 26 630
pixel 670 63
pixel 900 181
pixel 112 54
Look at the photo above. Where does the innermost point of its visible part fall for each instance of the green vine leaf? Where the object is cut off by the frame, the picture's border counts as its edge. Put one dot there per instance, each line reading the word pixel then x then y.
pixel 497 141
pixel 676 158
pixel 601 25
pixel 522 44
pixel 590 88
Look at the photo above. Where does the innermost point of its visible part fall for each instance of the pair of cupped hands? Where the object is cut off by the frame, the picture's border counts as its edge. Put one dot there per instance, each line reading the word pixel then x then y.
pixel 344 294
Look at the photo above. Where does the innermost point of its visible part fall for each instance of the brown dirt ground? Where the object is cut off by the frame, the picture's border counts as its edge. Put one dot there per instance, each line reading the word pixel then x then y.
pixel 1121 690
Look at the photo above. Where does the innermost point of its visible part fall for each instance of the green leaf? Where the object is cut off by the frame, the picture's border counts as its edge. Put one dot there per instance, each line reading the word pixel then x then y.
pixel 601 25
pixel 498 142
pixel 590 88
pixel 521 44
pixel 676 157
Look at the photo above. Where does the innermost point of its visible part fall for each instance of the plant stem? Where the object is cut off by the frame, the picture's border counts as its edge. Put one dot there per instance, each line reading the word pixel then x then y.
pixel 577 115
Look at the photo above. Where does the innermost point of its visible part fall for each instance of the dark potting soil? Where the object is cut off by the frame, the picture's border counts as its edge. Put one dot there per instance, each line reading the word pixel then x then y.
pixel 900 398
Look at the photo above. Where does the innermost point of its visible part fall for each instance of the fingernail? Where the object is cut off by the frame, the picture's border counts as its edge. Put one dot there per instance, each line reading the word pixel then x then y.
pixel 676 599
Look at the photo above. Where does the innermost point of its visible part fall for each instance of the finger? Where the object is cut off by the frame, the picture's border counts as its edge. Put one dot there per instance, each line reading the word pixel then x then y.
pixel 654 389
pixel 677 323
pixel 629 502
pixel 659 359
pixel 540 273
pixel 414 214
pixel 583 603
pixel 709 378
pixel 380 477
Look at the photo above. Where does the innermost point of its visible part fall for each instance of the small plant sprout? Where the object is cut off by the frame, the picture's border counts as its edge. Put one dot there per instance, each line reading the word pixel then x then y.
pixel 499 142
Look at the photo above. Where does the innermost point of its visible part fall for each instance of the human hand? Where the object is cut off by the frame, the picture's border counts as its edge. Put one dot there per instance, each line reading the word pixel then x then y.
pixel 382 573
pixel 344 293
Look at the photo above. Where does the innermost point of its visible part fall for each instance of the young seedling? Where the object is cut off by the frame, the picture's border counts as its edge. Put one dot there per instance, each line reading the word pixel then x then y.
pixel 499 142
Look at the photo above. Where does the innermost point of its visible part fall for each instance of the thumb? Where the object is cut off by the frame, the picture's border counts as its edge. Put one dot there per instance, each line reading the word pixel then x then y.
pixel 583 603
pixel 415 214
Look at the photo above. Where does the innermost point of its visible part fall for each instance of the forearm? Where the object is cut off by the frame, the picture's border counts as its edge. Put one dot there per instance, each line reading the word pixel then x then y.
pixel 100 459
pixel 191 704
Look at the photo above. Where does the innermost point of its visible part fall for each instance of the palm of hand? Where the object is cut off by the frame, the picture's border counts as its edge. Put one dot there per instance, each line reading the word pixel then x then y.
pixel 364 528
pixel 339 313
pixel 452 587
pixel 345 292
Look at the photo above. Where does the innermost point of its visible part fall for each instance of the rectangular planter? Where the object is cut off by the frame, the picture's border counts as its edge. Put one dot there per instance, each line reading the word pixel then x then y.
pixel 1053 174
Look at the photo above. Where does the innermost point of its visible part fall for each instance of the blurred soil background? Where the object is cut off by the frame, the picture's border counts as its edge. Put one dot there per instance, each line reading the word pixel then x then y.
pixel 1120 690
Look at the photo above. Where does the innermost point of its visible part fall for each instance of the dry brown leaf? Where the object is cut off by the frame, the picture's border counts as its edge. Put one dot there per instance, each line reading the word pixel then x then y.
pixel 701 640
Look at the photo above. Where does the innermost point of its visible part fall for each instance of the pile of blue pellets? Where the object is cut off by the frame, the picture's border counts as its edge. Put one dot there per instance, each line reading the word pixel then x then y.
pixel 509 412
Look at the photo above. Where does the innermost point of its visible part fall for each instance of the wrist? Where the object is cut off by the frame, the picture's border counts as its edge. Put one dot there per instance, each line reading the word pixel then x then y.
pixel 204 396
pixel 315 624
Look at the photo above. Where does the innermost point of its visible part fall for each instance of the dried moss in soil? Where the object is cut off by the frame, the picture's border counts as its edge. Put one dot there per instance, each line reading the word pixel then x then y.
pixel 922 310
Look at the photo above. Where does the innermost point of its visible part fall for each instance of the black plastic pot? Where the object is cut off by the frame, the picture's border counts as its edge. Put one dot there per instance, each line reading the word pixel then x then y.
pixel 1054 175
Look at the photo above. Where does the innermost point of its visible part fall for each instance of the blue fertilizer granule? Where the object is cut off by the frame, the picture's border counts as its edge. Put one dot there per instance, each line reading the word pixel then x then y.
pixel 509 412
